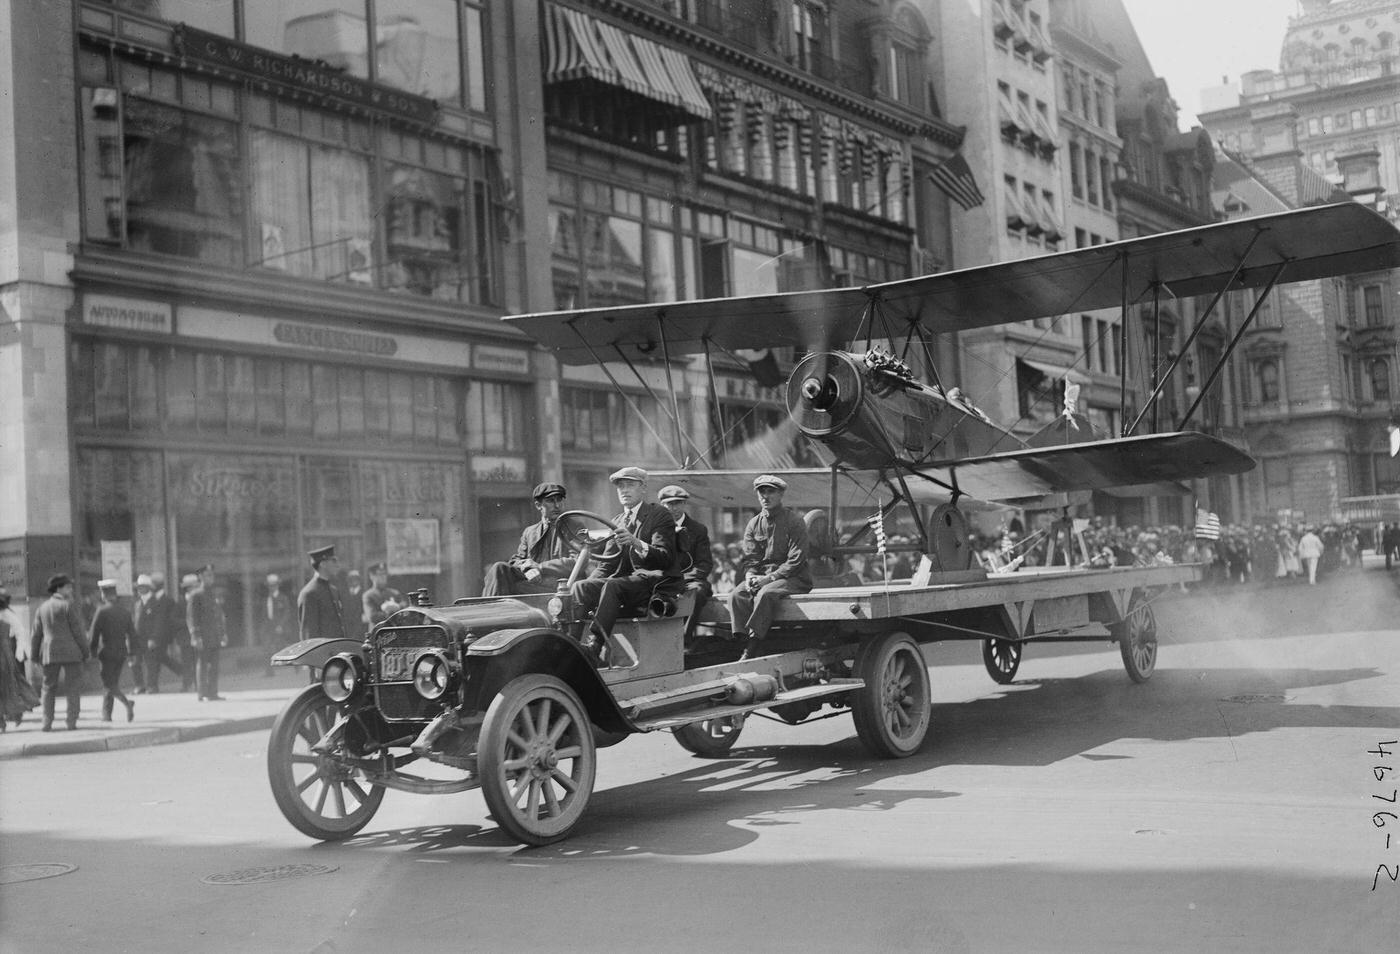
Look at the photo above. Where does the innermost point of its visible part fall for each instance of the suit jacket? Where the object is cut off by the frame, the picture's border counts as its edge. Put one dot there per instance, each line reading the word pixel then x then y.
pixel 57 636
pixel 656 527
pixel 111 633
pixel 697 559
pixel 319 610
pixel 154 621
pixel 553 548
pixel 205 619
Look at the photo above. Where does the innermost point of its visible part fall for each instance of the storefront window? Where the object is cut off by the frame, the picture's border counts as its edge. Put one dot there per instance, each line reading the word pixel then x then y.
pixel 120 500
pixel 425 232
pixel 333 31
pixel 212 16
pixel 496 415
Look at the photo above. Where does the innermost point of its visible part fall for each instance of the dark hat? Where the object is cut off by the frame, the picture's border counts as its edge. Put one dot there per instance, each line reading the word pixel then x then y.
pixel 768 480
pixel 4 597
pixel 628 473
pixel 672 492
pixel 58 581
pixel 321 554
pixel 548 489
pixel 377 568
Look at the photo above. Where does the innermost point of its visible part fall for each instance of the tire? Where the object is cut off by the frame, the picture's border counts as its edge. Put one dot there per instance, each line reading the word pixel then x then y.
pixel 712 738
pixel 1002 657
pixel 531 729
pixel 892 712
pixel 318 794
pixel 1137 638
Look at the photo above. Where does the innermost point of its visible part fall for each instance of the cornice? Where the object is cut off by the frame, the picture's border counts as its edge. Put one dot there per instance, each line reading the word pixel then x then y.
pixel 1130 191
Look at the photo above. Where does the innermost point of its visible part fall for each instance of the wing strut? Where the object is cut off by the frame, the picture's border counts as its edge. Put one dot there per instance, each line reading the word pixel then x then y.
pixel 1191 338
pixel 714 395
pixel 1219 365
pixel 617 386
pixel 670 382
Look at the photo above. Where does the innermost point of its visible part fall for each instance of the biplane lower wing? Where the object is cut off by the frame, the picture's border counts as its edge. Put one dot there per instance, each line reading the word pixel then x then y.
pixel 1149 465
pixel 808 487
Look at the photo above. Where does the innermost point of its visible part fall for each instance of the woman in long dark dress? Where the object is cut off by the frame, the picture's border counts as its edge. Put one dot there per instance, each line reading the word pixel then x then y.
pixel 17 696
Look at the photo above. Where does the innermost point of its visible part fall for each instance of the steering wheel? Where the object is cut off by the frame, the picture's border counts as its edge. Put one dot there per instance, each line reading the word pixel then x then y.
pixel 589 543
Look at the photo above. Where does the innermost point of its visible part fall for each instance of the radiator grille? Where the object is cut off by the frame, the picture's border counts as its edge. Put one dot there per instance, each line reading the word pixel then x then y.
pixel 391 671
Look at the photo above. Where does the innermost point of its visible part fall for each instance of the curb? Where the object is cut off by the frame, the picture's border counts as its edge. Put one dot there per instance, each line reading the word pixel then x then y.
pixel 136 740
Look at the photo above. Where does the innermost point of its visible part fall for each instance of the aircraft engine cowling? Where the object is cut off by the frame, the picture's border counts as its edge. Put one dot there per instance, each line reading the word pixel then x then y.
pixel 870 415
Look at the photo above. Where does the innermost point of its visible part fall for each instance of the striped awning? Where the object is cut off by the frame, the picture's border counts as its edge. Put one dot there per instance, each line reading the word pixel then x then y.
pixel 578 46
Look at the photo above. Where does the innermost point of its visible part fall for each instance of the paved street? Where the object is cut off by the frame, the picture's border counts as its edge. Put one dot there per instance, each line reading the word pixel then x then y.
pixel 1226 805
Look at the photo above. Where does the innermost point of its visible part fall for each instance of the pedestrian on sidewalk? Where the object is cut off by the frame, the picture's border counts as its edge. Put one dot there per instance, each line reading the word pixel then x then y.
pixel 110 637
pixel 1310 550
pixel 188 657
pixel 17 696
pixel 154 619
pixel 204 614
pixel 58 645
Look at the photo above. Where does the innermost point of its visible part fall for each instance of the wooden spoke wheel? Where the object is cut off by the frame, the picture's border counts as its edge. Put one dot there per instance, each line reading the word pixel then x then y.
pixel 1137 638
pixel 1002 657
pixel 321 795
pixel 892 710
pixel 712 738
pixel 536 759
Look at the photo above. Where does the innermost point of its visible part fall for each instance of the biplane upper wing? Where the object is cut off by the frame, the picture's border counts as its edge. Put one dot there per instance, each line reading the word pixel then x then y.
pixel 1313 243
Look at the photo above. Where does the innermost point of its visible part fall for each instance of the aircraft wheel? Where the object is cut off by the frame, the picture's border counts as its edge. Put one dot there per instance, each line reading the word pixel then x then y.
pixel 319 794
pixel 891 711
pixel 1137 638
pixel 536 759
pixel 712 738
pixel 1002 657
pixel 948 537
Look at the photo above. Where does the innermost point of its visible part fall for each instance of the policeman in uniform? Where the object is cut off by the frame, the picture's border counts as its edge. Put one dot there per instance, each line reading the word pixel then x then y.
pixel 320 609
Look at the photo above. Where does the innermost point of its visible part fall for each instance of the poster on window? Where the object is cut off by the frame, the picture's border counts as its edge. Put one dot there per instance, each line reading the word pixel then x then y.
pixel 412 546
pixel 116 564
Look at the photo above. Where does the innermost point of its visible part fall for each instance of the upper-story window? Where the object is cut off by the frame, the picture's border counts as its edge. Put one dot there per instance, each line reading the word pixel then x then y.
pixel 907 43
pixel 809 33
pixel 1378 373
pixel 1374 304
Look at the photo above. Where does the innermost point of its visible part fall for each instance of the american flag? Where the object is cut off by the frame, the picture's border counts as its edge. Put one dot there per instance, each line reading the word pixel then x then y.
pixel 1207 525
pixel 955 177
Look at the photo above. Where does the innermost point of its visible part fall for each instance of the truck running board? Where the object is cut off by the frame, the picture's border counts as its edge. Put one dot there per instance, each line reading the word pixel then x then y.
pixel 673 720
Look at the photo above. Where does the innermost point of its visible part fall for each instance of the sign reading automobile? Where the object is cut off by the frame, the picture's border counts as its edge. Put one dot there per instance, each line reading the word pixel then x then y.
pixel 333 339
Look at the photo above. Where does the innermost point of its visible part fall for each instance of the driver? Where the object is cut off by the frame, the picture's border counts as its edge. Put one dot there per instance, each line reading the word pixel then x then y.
pixel 546 553
pixel 645 556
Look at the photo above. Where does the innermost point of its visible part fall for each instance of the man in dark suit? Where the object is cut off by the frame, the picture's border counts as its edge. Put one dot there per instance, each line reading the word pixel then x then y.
pixel 645 556
pixel 57 643
pixel 204 615
pixel 320 610
pixel 695 560
pixel 156 630
pixel 546 553
pixel 110 637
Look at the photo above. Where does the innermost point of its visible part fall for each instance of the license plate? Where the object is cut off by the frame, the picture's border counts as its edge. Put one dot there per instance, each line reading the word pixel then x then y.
pixel 396 663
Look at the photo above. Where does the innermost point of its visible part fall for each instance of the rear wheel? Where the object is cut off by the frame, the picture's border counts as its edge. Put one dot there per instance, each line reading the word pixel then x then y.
pixel 1002 657
pixel 537 759
pixel 1137 638
pixel 712 738
pixel 892 712
pixel 318 793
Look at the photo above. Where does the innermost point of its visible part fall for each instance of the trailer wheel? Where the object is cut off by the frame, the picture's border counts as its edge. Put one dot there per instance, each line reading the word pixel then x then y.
pixel 1002 657
pixel 891 712
pixel 536 759
pixel 712 738
pixel 1137 638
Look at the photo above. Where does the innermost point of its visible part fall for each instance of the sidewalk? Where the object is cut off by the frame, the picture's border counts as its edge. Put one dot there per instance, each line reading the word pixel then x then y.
pixel 251 701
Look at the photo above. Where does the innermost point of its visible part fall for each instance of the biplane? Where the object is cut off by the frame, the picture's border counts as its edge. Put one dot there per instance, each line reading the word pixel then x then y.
pixel 498 693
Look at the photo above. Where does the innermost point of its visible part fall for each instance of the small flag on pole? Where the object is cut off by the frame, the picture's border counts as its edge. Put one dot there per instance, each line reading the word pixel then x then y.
pixel 955 177
pixel 877 523
pixel 1207 525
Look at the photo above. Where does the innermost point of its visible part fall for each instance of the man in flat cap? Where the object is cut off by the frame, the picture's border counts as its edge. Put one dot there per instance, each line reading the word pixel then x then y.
pixel 320 609
pixel 774 564
pixel 375 602
pixel 645 557
pixel 204 615
pixel 695 559
pixel 546 553
pixel 157 630
pixel 57 643
pixel 110 637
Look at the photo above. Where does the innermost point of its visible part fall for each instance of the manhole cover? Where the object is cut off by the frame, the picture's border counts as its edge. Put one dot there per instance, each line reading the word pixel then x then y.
pixel 14 874
pixel 1250 697
pixel 269 873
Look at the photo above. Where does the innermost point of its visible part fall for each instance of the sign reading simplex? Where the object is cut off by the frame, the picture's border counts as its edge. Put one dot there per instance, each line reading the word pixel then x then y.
pixel 310 75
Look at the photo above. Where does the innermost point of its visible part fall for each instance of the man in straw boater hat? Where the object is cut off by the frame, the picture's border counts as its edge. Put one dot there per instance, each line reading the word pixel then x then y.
pixel 774 564
pixel 546 553
pixel 110 637
pixel 57 643
pixel 644 557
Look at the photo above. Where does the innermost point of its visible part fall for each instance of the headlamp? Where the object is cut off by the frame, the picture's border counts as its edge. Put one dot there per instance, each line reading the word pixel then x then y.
pixel 342 676
pixel 432 675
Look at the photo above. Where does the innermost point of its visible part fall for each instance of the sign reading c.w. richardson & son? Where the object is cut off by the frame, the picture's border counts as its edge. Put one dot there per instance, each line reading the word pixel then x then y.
pixel 308 75
pixel 133 314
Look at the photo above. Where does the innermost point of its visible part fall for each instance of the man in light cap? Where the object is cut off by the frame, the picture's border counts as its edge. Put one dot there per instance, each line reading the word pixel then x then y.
pixel 695 559
pixel 546 554
pixel 156 631
pixel 774 564
pixel 110 636
pixel 320 610
pixel 57 643
pixel 625 578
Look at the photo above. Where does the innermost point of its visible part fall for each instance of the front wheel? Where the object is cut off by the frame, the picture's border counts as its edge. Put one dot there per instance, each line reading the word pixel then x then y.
pixel 892 712
pixel 712 738
pixel 1137 638
pixel 319 794
pixel 537 759
pixel 1002 657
